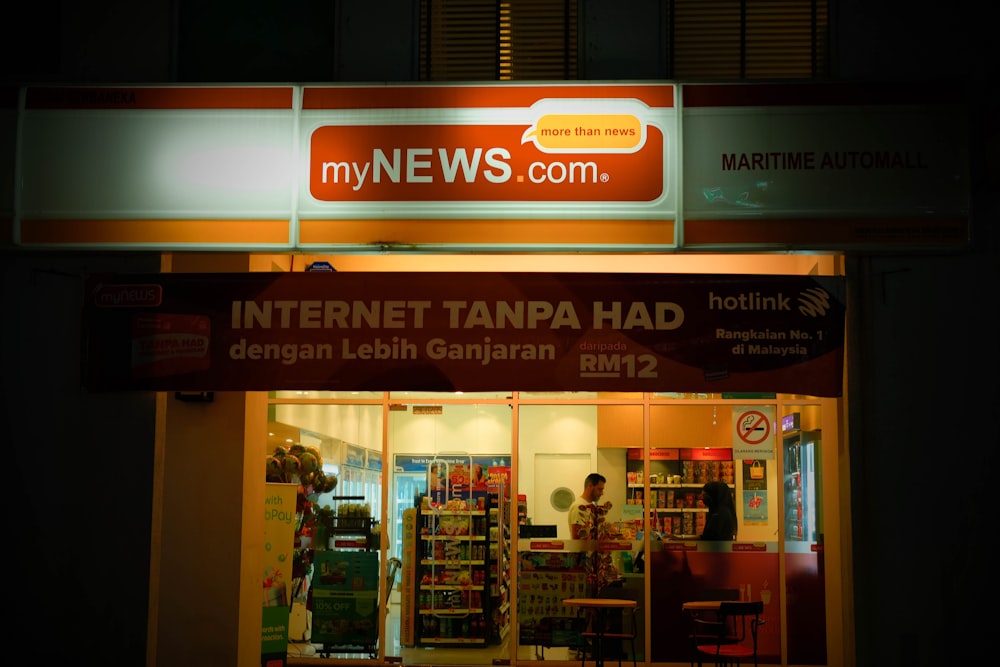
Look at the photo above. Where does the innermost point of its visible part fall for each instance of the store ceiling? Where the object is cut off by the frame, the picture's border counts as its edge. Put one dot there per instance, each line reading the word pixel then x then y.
pixel 756 264
pixel 281 435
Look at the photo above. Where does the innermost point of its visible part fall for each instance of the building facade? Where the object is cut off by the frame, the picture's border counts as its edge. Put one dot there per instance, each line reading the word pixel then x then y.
pixel 85 514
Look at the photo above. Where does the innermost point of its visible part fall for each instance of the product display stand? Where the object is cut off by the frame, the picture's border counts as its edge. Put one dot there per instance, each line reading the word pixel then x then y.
pixel 452 577
pixel 345 588
pixel 462 571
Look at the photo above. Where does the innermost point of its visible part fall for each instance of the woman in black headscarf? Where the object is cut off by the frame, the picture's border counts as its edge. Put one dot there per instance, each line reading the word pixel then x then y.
pixel 720 524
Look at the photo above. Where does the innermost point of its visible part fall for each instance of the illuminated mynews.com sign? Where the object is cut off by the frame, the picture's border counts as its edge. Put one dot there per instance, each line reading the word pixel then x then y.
pixel 563 153
pixel 489 151
pixel 314 167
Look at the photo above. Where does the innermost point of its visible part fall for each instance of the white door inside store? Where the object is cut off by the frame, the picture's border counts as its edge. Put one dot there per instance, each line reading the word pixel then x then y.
pixel 554 474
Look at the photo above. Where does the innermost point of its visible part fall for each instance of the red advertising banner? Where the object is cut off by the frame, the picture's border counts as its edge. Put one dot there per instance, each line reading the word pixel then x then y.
pixel 465 331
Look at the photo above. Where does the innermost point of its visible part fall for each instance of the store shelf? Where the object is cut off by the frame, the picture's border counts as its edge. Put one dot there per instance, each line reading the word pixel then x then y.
pixel 678 510
pixel 453 640
pixel 462 574
pixel 674 508
pixel 451 561
pixel 499 570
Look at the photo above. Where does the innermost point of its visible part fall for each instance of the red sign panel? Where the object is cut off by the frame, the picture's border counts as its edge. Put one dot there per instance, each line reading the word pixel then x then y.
pixel 469 332
pixel 661 454
pixel 365 163
pixel 707 454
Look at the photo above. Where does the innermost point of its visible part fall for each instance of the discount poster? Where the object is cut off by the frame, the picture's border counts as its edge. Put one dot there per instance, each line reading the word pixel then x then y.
pixel 279 541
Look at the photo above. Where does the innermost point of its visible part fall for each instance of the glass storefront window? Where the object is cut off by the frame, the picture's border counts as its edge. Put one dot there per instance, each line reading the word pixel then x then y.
pixel 483 581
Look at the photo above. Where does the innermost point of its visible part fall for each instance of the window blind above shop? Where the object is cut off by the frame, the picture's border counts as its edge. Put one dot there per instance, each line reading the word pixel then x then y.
pixel 484 40
pixel 749 39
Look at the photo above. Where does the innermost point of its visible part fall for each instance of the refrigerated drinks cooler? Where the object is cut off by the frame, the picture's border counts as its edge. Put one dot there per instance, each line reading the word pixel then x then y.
pixel 803 480
pixel 408 487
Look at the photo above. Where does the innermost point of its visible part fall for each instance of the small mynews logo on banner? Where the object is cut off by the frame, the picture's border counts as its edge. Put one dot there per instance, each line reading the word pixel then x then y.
pixel 128 296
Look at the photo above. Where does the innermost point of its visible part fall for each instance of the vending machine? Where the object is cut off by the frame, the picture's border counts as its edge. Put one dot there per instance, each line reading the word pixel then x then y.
pixel 803 480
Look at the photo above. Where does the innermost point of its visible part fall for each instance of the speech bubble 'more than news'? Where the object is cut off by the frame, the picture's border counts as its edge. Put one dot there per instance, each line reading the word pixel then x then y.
pixel 598 126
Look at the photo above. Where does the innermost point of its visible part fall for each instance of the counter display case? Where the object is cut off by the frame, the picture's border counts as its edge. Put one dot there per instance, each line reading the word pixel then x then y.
pixel 545 579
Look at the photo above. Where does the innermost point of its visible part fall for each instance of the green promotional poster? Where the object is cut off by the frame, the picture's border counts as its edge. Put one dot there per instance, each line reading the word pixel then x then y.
pixel 345 598
pixel 279 541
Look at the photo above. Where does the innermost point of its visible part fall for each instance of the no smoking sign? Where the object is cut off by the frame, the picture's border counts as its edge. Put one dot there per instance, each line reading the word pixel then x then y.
pixel 753 436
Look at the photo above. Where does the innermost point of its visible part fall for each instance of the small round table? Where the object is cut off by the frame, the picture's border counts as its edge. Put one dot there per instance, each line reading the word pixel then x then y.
pixel 599 607
pixel 701 605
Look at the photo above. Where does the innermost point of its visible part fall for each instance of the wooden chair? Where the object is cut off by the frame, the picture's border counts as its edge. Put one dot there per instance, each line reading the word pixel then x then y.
pixel 733 634
pixel 626 633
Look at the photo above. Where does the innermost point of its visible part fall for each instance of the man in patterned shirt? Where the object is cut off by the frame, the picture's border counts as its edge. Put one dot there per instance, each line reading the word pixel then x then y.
pixel 583 512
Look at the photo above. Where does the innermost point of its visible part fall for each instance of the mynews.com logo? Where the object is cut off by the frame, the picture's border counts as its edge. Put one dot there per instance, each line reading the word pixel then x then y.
pixel 128 296
pixel 567 151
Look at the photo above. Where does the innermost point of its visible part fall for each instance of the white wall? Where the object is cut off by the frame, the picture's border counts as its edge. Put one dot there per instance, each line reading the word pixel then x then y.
pixel 565 429
pixel 471 429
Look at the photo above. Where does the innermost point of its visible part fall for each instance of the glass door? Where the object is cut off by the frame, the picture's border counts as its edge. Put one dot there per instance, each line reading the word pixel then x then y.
pixel 451 469
pixel 331 450
pixel 569 473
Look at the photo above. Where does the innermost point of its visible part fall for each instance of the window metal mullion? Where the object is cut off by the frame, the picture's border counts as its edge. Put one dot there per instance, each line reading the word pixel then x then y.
pixel 566 42
pixel 814 37
pixel 743 39
pixel 671 37
pixel 497 64
pixel 429 23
